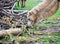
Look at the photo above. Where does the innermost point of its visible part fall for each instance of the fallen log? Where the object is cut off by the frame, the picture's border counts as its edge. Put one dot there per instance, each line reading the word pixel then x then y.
pixel 10 31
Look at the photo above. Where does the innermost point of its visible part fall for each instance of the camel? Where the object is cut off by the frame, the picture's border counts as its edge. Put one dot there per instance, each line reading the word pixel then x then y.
pixel 42 11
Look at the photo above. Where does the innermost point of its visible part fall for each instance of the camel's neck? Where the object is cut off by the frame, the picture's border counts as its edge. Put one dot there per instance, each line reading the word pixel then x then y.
pixel 46 10
pixel 49 10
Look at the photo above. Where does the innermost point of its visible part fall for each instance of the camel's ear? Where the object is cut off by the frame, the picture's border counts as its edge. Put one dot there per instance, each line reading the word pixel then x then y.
pixel 30 13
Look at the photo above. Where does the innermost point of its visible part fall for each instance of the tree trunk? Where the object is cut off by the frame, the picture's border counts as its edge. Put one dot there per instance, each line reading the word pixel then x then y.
pixel 23 3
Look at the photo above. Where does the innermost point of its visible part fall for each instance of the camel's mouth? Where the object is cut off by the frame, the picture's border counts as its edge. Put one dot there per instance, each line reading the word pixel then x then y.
pixel 30 23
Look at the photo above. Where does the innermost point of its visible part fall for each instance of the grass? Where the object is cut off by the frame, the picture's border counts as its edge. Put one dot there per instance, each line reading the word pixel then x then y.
pixel 29 4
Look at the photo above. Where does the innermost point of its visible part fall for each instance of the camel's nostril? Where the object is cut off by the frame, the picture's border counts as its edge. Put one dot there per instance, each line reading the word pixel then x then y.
pixel 28 19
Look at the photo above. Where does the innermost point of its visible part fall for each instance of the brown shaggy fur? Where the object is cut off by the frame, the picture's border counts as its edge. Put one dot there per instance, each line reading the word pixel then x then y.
pixel 42 11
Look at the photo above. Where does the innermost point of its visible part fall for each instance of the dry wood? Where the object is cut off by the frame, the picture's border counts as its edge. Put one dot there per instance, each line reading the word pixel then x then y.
pixel 10 31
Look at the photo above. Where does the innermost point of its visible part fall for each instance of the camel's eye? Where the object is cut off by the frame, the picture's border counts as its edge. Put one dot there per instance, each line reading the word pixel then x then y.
pixel 30 13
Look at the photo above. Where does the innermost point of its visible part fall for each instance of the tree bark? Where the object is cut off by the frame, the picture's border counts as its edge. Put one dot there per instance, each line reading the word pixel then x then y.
pixel 23 3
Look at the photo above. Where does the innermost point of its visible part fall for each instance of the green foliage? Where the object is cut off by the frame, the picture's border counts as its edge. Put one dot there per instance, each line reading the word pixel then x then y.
pixel 29 4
